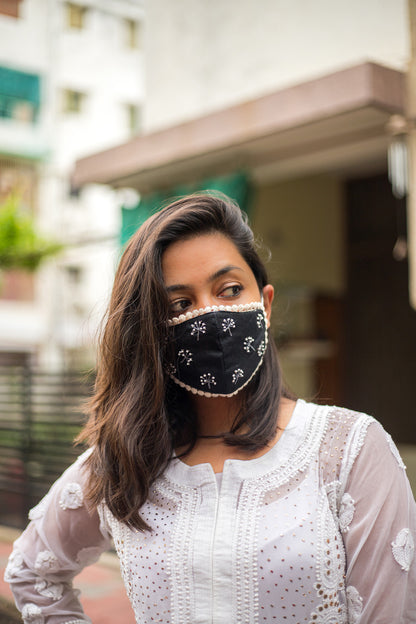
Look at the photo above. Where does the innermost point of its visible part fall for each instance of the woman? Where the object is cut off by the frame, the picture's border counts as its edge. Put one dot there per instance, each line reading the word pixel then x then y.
pixel 227 500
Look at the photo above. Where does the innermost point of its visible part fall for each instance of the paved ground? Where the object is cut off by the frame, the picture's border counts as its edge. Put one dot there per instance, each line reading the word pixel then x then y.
pixel 102 591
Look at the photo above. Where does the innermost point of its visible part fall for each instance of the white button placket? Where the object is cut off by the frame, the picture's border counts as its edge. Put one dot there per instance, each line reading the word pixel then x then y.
pixel 223 548
pixel 205 536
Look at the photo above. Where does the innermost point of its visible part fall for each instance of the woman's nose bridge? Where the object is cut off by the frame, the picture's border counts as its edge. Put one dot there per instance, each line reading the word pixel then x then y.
pixel 204 298
pixel 204 302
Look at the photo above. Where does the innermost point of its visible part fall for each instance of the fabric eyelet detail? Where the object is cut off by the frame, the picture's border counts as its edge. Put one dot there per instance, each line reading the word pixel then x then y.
pixel 403 549
pixel 71 497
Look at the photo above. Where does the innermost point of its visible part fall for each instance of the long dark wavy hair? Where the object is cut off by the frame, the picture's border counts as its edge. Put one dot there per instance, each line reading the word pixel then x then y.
pixel 137 415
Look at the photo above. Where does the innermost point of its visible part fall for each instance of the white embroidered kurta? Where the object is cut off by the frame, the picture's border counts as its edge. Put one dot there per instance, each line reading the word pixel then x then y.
pixel 320 529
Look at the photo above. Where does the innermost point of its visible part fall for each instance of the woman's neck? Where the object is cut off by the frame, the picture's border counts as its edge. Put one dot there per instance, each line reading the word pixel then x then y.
pixel 216 415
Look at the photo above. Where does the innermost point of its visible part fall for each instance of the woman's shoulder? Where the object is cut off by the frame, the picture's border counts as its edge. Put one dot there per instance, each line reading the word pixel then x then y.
pixel 344 435
pixel 336 422
pixel 339 435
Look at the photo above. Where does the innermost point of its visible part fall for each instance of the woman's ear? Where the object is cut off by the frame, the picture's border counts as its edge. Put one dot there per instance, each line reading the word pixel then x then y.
pixel 268 294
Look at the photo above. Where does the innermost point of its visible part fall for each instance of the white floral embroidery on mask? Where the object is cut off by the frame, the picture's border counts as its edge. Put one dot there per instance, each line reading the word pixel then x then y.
pixel 238 374
pixel 171 369
pixel 71 497
pixel 185 356
pixel 261 349
pixel 199 327
pixel 227 325
pixel 248 344
pixel 403 549
pixel 260 320
pixel 208 380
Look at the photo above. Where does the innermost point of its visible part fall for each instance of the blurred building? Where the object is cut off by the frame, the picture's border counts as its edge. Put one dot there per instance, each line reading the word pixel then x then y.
pixel 292 107
pixel 71 83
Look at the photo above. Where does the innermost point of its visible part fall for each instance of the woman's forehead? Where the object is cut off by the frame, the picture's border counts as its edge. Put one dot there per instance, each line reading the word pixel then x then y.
pixel 203 254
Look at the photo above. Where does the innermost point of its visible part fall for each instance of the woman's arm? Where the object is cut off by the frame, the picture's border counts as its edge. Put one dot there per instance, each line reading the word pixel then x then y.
pixel 62 538
pixel 378 522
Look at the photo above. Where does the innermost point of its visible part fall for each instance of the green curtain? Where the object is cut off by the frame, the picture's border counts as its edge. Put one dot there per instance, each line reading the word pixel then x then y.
pixel 16 86
pixel 237 186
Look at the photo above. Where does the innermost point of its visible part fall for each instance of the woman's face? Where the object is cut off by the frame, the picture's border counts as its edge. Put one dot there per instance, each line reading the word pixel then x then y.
pixel 208 270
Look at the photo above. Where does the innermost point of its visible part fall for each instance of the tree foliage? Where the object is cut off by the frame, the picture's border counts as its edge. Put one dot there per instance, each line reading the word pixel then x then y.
pixel 21 247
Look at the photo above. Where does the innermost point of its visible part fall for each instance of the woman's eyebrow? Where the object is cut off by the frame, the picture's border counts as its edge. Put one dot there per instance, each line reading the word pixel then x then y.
pixel 223 271
pixel 211 278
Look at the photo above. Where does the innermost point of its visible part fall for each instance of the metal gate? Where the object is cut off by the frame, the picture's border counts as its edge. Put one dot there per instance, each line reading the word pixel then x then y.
pixel 40 414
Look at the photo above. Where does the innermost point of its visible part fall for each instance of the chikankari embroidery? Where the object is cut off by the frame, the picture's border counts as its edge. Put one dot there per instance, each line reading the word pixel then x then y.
pixel 86 556
pixel 403 549
pixel 71 497
pixel 14 565
pixel 53 591
pixel 395 451
pixel 346 512
pixel 330 568
pixel 46 562
pixel 32 614
pixel 354 605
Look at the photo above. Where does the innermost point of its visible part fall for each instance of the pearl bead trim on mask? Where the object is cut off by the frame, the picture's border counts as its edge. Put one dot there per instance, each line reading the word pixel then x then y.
pixel 255 305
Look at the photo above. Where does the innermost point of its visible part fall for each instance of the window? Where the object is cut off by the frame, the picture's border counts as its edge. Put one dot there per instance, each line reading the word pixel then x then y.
pixel 75 16
pixel 132 34
pixel 74 274
pixel 6 107
pixel 133 118
pixel 24 112
pixel 19 95
pixel 9 7
pixel 73 101
pixel 19 110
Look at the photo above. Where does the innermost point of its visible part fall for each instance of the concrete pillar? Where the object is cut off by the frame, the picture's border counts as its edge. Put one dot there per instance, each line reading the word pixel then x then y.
pixel 411 116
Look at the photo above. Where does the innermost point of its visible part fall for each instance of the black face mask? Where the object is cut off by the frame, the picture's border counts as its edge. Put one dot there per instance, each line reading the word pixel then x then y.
pixel 218 350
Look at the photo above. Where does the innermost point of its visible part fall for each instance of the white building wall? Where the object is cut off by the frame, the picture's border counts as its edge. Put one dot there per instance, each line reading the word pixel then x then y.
pixel 30 29
pixel 97 62
pixel 202 56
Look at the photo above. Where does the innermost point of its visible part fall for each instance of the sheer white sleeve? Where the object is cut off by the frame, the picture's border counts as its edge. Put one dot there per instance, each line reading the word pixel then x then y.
pixel 378 521
pixel 62 538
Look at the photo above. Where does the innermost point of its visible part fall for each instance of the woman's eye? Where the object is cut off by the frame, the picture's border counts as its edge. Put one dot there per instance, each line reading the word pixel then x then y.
pixel 177 307
pixel 231 291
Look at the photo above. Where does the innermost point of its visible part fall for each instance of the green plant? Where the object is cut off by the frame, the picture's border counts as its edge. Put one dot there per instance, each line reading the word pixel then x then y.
pixel 21 247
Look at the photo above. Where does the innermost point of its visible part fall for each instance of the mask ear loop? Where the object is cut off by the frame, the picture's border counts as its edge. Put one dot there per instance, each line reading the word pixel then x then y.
pixel 265 316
